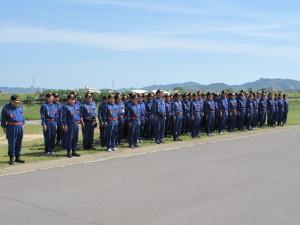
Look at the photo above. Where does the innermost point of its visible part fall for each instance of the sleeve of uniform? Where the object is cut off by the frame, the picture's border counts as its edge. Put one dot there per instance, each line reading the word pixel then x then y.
pixel 64 115
pixel 104 113
pixel 3 117
pixel 43 114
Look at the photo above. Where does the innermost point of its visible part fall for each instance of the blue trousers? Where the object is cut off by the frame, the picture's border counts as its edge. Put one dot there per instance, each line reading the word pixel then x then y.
pixel 159 127
pixel 49 136
pixel 71 137
pixel 232 121
pixel 223 121
pixel 262 117
pixel 111 133
pixel 14 135
pixel 177 126
pixel 241 119
pixel 196 125
pixel 134 132
pixel 210 120
pixel 88 134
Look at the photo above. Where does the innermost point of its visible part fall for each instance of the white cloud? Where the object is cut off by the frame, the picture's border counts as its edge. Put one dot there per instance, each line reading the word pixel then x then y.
pixel 136 42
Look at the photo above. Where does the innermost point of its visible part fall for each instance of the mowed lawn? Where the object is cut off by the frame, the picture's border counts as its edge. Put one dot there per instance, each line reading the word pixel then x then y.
pixel 33 148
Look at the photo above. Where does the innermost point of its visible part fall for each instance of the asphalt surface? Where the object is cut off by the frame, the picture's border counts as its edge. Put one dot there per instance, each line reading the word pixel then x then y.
pixel 246 181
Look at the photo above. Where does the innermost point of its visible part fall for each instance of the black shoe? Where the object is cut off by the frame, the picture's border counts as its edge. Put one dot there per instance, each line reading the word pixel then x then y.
pixel 75 154
pixel 136 146
pixel 93 148
pixel 69 155
pixel 11 161
pixel 178 139
pixel 157 142
pixel 131 146
pixel 18 160
pixel 161 141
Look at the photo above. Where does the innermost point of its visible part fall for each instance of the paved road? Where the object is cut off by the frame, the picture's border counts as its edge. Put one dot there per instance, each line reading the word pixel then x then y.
pixel 247 181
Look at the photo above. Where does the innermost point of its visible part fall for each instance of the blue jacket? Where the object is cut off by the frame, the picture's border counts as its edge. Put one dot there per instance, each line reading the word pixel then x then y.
pixel 176 108
pixel 88 111
pixel 49 112
pixel 71 114
pixel 11 114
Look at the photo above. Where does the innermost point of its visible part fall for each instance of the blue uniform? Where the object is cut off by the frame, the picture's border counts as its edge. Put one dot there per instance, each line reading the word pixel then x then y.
pixel 223 110
pixel 241 112
pixel 121 121
pixel 262 111
pixel 159 112
pixel 149 124
pixel 250 113
pixel 12 118
pixel 88 115
pixel 270 111
pixel 232 114
pixel 59 130
pixel 280 111
pixel 209 109
pixel 177 114
pixel 111 114
pixel 134 115
pixel 101 111
pixel 196 109
pixel 286 110
pixel 49 117
pixel 186 116
pixel 143 118
pixel 255 119
pixel 168 129
pixel 71 119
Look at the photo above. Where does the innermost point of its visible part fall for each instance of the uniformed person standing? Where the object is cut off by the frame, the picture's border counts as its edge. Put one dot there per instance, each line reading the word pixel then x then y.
pixel 101 111
pixel 223 110
pixel 168 130
pixel 270 110
pixel 134 115
pixel 12 122
pixel 149 124
pixel 195 111
pixel 286 108
pixel 143 117
pixel 71 121
pixel 110 118
pixel 241 110
pixel 232 112
pixel 250 108
pixel 177 114
pixel 159 112
pixel 59 130
pixel 121 118
pixel 88 121
pixel 186 114
pixel 209 109
pixel 280 110
pixel 262 110
pixel 49 117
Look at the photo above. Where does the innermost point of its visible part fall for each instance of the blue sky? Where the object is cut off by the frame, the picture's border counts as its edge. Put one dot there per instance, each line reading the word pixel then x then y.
pixel 73 43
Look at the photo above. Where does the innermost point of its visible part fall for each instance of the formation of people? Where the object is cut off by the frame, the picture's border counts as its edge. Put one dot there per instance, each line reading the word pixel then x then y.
pixel 133 118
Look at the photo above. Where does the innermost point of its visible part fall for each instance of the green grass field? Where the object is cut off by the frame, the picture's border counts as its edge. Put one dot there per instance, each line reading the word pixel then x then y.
pixel 33 150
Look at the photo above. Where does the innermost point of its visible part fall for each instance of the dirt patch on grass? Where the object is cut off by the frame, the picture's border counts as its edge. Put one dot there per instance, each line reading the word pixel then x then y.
pixel 26 138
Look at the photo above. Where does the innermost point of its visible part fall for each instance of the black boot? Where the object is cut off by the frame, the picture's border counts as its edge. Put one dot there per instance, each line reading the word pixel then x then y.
pixel 69 155
pixel 18 160
pixel 11 161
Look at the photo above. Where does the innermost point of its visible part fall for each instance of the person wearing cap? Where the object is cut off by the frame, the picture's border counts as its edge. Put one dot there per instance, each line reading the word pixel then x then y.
pixel 88 121
pixel 280 110
pixel 168 127
pixel 223 112
pixel 12 122
pixel 59 130
pixel 49 116
pixel 143 117
pixel 232 112
pixel 102 127
pixel 275 114
pixel 270 110
pixel 250 108
pixel 149 123
pixel 186 114
pixel 241 110
pixel 262 110
pixel 134 115
pixel 209 109
pixel 177 115
pixel 255 114
pixel 121 121
pixel 196 108
pixel 111 113
pixel 286 109
pixel 159 112
pixel 71 121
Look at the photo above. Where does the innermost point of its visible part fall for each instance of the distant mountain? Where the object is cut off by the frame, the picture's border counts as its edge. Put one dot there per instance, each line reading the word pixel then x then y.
pixel 263 83
pixel 19 90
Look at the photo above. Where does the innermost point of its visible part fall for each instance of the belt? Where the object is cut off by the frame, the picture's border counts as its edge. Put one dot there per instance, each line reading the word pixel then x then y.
pixel 50 120
pixel 15 123
pixel 89 119
pixel 211 110
pixel 113 119
pixel 234 110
